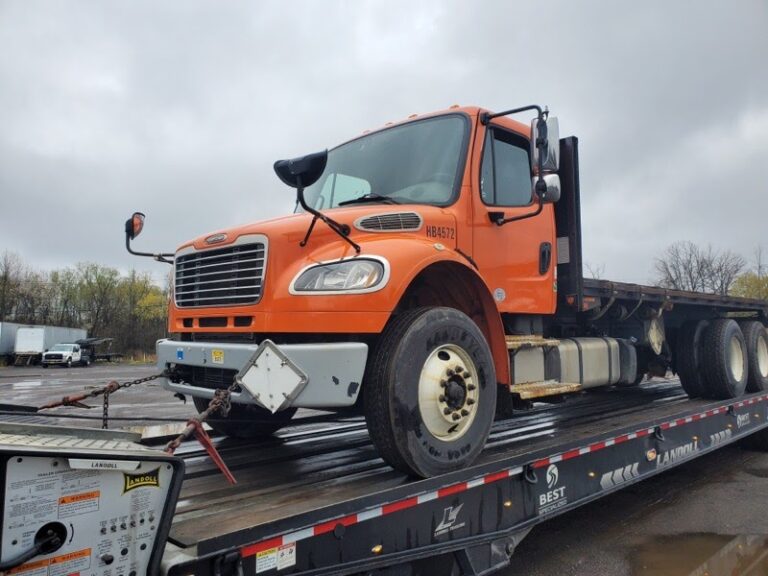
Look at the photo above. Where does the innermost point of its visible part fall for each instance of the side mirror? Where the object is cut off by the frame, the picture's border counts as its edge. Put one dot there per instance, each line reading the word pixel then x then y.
pixel 134 225
pixel 551 193
pixel 549 130
pixel 303 171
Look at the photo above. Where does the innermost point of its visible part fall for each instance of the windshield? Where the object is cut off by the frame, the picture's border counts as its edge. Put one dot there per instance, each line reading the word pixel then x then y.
pixel 62 348
pixel 416 163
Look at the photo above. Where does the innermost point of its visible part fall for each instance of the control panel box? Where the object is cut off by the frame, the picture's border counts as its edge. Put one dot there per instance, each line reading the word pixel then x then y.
pixel 88 502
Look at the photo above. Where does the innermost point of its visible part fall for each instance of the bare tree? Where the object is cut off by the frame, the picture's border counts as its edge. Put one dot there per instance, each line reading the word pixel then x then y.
pixel 687 266
pixel 595 272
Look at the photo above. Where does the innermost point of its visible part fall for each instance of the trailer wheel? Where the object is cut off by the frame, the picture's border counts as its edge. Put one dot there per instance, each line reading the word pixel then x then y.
pixel 724 360
pixel 756 339
pixel 246 420
pixel 430 392
pixel 688 358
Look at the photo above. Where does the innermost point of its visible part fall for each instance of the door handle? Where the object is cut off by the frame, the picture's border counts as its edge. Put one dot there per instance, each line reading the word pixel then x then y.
pixel 545 257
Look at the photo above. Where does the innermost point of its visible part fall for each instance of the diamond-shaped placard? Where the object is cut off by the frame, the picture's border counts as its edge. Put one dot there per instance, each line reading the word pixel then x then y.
pixel 271 378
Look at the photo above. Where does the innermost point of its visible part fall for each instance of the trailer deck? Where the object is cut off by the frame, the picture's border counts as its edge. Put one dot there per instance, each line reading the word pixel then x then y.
pixel 325 489
pixel 317 499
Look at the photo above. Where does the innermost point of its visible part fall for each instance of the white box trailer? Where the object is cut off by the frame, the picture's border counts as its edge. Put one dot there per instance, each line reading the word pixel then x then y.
pixel 8 338
pixel 32 341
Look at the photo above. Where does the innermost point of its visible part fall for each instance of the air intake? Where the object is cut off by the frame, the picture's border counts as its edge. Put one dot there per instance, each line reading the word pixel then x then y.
pixel 392 222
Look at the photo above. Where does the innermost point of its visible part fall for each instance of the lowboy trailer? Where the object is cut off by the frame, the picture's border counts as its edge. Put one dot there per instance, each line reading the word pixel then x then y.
pixel 317 499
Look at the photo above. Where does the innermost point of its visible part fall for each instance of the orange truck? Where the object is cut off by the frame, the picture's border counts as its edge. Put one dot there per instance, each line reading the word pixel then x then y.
pixel 431 279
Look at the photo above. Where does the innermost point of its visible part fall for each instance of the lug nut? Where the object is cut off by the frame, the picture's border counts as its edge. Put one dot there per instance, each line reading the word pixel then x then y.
pixel 464 412
pixel 449 372
pixel 470 401
pixel 447 411
pixel 471 386
pixel 443 383
pixel 455 416
pixel 441 398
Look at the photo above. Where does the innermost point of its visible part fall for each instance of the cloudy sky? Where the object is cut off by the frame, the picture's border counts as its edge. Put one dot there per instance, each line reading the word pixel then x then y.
pixel 179 109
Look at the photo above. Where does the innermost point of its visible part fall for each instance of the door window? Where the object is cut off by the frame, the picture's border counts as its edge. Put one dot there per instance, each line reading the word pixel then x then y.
pixel 505 174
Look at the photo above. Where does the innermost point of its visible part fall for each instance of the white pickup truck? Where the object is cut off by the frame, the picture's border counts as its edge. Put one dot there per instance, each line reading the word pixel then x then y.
pixel 65 355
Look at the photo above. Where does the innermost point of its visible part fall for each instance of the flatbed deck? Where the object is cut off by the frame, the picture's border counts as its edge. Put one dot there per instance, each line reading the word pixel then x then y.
pixel 605 289
pixel 309 468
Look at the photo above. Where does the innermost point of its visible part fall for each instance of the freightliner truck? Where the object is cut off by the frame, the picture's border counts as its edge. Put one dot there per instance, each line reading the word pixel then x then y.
pixel 431 279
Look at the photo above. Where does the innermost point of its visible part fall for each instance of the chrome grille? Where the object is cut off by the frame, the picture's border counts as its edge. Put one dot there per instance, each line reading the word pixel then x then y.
pixel 393 222
pixel 230 276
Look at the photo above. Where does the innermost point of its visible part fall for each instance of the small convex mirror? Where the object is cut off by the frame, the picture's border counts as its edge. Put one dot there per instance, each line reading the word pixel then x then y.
pixel 552 193
pixel 134 225
pixel 551 156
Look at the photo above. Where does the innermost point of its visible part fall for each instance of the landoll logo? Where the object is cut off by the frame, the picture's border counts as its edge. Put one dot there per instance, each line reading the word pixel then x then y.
pixel 131 481
pixel 677 454
pixel 448 523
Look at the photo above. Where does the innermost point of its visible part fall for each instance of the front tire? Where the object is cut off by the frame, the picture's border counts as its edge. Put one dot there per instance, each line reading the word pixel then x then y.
pixel 245 420
pixel 69 363
pixel 430 392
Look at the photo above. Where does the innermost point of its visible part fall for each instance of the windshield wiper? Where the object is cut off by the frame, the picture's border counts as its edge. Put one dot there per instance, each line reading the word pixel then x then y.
pixel 370 197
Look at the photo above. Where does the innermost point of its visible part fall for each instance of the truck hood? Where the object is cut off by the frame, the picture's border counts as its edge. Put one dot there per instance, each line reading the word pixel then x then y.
pixel 364 221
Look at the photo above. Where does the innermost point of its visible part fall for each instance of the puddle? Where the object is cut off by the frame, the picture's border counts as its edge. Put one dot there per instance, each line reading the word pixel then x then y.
pixel 26 384
pixel 701 555
pixel 760 473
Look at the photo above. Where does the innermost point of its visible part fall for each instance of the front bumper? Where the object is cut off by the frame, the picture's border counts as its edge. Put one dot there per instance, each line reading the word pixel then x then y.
pixel 333 371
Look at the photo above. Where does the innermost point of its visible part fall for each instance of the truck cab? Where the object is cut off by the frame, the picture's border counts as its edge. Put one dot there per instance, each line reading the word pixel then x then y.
pixel 64 355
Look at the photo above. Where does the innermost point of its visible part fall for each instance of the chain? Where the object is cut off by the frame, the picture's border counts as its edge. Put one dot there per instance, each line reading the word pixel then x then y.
pixel 76 400
pixel 221 402
pixel 114 386
pixel 105 411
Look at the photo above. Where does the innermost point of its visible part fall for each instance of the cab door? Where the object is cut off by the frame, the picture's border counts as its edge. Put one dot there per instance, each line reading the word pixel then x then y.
pixel 516 259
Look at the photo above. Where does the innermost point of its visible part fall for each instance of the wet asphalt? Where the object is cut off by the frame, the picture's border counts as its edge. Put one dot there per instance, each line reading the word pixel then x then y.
pixel 708 517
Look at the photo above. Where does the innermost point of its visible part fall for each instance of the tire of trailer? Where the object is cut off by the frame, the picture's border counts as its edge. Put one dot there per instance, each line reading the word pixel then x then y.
pixel 724 360
pixel 688 358
pixel 246 420
pixel 756 338
pixel 430 391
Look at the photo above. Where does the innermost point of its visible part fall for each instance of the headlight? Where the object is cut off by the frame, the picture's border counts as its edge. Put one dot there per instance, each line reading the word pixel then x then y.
pixel 357 274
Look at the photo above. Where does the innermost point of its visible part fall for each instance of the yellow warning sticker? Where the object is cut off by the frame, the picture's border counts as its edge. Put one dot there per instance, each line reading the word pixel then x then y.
pixel 266 560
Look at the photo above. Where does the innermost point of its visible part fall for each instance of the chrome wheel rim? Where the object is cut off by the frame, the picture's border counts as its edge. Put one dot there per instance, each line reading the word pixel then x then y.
pixel 449 392
pixel 736 359
pixel 762 354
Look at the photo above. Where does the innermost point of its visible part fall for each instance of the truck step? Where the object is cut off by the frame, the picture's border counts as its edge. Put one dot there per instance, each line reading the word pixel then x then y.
pixel 532 390
pixel 530 341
